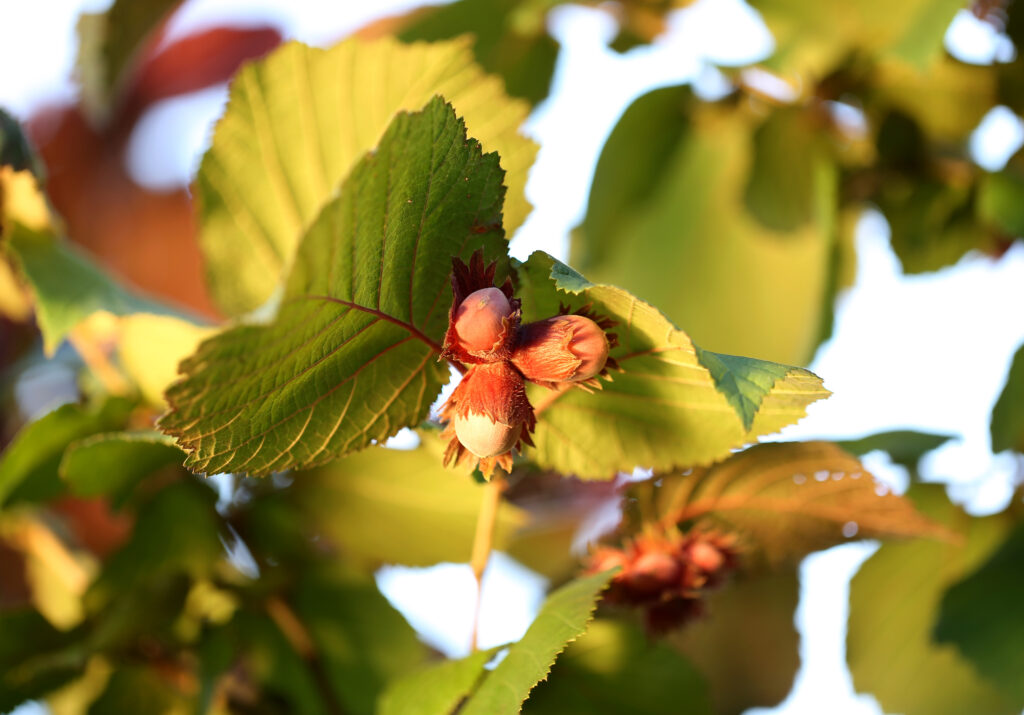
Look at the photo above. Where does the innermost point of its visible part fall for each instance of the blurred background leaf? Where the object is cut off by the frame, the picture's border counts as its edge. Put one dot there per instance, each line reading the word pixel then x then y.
pixel 894 603
pixel 786 500
pixel 747 646
pixel 1007 426
pixel 981 616
pixel 398 506
pixel 719 267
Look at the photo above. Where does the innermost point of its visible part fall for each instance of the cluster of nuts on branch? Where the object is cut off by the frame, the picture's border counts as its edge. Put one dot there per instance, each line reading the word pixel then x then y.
pixel 666 575
pixel 488 414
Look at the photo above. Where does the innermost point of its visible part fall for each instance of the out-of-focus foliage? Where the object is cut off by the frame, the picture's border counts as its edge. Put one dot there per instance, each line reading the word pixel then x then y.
pixel 747 647
pixel 894 604
pixel 687 197
pixel 338 185
pixel 990 637
pixel 1008 413
pixel 787 500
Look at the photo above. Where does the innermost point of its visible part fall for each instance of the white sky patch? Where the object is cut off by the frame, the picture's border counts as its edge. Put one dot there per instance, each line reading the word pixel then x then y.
pixel 439 601
pixel 168 143
pixel 977 42
pixel 823 683
pixel 38 44
pixel 998 137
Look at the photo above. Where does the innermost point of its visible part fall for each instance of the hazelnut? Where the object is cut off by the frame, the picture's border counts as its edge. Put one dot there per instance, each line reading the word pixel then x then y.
pixel 481 320
pixel 566 348
pixel 485 437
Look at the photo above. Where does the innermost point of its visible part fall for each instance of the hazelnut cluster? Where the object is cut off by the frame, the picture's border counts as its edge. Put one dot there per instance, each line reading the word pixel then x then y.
pixel 666 575
pixel 488 415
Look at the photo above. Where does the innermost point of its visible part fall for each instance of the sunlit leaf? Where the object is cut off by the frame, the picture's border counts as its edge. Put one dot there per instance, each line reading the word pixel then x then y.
pixel 666 409
pixel 150 347
pixel 894 602
pixel 788 499
pixel 1008 414
pixel 296 124
pixel 28 467
pixel 812 37
pixel 437 689
pixel 982 617
pixel 615 668
pixel 562 619
pixel 112 464
pixel 667 221
pixel 430 512
pixel 352 356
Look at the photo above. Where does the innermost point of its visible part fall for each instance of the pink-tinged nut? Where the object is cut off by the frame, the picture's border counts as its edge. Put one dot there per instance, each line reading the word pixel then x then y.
pixel 705 556
pixel 566 348
pixel 485 437
pixel 653 571
pixel 480 319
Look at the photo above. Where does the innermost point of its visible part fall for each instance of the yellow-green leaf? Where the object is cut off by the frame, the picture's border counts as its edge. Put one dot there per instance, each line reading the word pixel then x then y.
pixel 297 122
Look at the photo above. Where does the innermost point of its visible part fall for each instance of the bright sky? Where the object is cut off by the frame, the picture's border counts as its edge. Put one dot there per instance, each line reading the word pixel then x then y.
pixel 934 350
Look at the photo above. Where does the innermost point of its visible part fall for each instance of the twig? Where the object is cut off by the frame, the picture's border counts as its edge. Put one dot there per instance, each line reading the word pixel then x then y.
pixel 302 643
pixel 482 540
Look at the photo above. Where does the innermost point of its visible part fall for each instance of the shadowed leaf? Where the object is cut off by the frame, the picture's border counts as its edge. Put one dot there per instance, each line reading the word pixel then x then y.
pixel 28 467
pixel 1008 414
pixel 982 617
pixel 747 645
pixel 112 464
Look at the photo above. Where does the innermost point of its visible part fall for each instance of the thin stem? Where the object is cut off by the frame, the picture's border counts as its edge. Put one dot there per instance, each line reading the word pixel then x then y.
pixel 482 540
pixel 299 638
